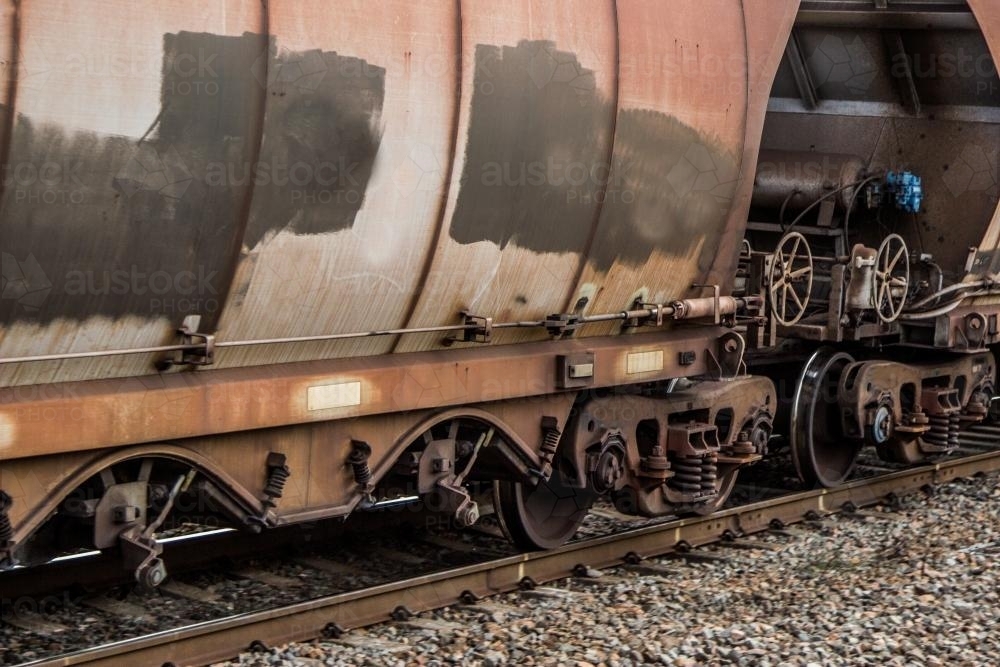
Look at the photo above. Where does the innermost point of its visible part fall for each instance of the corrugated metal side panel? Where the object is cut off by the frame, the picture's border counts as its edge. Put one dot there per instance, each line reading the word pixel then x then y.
pixel 361 112
pixel 678 148
pixel 768 27
pixel 534 140
pixel 988 14
pixel 112 228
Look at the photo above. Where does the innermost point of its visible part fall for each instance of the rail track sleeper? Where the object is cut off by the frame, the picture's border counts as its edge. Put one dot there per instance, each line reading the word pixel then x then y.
pixel 451 545
pixel 789 532
pixel 868 514
pixel 397 556
pixel 701 557
pixel 373 643
pixel 433 624
pixel 267 578
pixel 559 593
pixel 652 569
pixel 179 589
pixel 491 607
pixel 33 623
pixel 750 545
pixel 327 565
pixel 116 607
pixel 606 580
pixel 614 515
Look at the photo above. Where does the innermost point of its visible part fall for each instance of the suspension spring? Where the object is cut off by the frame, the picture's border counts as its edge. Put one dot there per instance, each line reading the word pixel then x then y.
pixel 709 471
pixel 277 476
pixel 954 424
pixel 687 473
pixel 939 432
pixel 359 462
pixel 6 528
pixel 550 437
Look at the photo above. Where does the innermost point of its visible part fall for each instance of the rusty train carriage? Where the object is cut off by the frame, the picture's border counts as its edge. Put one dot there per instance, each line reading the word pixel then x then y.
pixel 265 262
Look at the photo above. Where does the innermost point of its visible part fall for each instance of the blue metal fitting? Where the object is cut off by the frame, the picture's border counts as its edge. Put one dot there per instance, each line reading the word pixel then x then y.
pixel 906 189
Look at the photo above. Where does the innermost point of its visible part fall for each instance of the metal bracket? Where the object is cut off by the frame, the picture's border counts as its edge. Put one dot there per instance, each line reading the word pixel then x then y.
pixel 199 347
pixel 655 318
pixel 717 295
pixel 204 352
pixel 478 329
pixel 141 550
pixel 729 363
pixel 562 325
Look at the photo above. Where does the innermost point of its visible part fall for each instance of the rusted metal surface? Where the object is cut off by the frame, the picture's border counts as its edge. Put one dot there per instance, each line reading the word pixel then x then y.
pixel 534 139
pixel 222 639
pixel 987 15
pixel 40 420
pixel 114 228
pixel 680 125
pixel 488 157
pixel 223 417
pixel 918 94
pixel 767 30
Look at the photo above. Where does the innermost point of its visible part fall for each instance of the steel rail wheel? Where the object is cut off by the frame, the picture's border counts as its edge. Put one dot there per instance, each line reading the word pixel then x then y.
pixel 822 454
pixel 543 516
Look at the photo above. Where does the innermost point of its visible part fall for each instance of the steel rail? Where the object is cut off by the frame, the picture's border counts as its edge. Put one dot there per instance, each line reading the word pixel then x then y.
pixel 328 616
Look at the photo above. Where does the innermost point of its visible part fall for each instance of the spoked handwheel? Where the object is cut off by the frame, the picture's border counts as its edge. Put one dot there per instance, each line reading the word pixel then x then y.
pixel 544 516
pixel 789 282
pixel 822 453
pixel 892 278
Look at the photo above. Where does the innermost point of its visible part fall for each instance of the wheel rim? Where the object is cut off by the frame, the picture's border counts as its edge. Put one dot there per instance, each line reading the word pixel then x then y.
pixel 822 453
pixel 791 267
pixel 892 278
pixel 544 516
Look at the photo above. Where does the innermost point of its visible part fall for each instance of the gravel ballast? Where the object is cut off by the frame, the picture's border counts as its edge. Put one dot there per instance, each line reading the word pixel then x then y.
pixel 915 586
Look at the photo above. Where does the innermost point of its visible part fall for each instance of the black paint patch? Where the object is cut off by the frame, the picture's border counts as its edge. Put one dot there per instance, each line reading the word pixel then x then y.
pixel 321 135
pixel 675 190
pixel 109 226
pixel 536 166
pixel 537 152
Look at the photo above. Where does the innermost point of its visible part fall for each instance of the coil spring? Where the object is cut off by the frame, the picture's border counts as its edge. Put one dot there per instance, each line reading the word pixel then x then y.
pixel 687 473
pixel 550 437
pixel 709 471
pixel 954 424
pixel 939 433
pixel 6 528
pixel 359 463
pixel 276 479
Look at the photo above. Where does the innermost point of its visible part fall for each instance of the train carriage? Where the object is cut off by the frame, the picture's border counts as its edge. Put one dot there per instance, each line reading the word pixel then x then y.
pixel 271 262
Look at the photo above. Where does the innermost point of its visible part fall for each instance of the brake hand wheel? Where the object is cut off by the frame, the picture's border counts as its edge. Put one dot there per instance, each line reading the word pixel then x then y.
pixel 892 278
pixel 790 279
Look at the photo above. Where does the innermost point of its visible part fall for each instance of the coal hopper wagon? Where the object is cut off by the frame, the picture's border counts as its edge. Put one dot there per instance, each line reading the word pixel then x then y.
pixel 266 263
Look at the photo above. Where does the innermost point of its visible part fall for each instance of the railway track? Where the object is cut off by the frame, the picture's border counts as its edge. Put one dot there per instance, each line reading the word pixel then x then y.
pixel 332 615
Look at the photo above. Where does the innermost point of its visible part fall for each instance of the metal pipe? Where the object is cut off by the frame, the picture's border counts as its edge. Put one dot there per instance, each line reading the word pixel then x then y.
pixel 792 180
pixel 958 287
pixel 942 310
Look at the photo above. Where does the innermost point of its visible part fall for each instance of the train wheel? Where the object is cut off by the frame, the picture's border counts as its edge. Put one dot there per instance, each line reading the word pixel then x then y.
pixel 544 516
pixel 822 453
